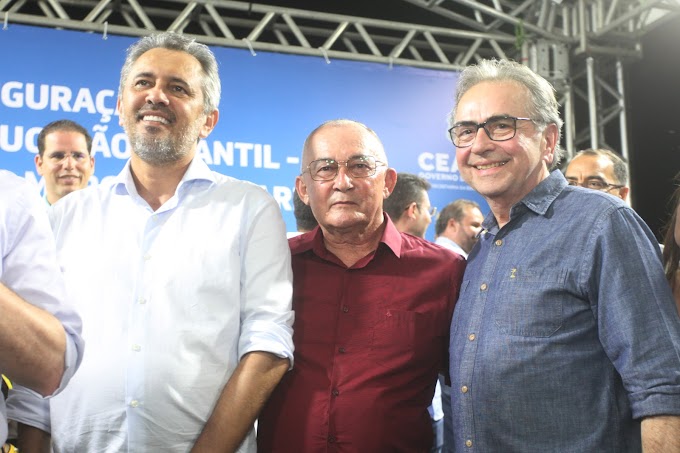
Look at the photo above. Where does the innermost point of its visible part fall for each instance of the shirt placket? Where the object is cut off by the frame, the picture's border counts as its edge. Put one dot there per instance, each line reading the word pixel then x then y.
pixel 479 292
pixel 142 297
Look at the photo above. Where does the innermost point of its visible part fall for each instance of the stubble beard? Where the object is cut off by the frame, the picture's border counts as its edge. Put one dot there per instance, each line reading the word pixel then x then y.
pixel 163 151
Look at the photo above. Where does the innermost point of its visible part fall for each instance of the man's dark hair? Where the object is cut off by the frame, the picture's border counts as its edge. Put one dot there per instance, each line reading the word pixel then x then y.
pixel 619 162
pixel 454 210
pixel 66 126
pixel 304 219
pixel 409 188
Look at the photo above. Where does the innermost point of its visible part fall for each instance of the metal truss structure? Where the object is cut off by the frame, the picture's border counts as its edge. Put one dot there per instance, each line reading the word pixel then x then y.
pixel 581 46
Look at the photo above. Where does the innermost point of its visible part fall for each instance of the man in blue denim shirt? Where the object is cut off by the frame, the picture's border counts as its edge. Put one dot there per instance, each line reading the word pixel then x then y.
pixel 565 337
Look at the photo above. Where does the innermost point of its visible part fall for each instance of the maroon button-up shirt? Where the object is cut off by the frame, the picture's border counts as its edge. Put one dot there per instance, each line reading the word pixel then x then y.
pixel 369 342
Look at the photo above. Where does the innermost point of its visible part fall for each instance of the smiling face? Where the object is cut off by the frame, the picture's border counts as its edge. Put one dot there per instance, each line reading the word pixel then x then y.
pixel 161 107
pixel 346 204
pixel 65 164
pixel 503 171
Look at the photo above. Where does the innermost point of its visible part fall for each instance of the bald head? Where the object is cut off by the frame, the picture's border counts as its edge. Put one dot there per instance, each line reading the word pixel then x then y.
pixel 366 139
pixel 350 179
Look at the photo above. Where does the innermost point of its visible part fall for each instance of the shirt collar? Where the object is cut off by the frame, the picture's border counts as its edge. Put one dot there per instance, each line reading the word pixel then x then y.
pixel 538 200
pixel 198 170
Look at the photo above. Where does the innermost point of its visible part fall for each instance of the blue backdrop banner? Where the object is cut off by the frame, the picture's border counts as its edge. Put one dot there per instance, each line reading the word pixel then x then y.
pixel 270 103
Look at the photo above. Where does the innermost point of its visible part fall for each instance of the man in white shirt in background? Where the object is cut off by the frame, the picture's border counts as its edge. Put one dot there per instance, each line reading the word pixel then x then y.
pixel 64 158
pixel 458 226
pixel 40 334
pixel 182 277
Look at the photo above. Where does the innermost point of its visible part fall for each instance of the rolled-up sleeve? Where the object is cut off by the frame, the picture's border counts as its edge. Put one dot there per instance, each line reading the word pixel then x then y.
pixel 638 322
pixel 266 282
pixel 30 269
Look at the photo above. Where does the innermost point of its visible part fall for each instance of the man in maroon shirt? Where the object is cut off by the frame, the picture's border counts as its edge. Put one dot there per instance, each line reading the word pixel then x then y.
pixel 372 310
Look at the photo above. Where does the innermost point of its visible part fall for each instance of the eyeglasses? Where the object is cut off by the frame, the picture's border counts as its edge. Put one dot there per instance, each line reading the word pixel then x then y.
pixel 595 184
pixel 357 167
pixel 498 128
pixel 432 210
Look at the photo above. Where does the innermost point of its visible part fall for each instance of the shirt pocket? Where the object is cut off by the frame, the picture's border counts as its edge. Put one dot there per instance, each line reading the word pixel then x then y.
pixel 405 338
pixel 530 302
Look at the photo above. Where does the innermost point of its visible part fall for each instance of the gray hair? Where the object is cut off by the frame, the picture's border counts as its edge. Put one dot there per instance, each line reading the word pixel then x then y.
pixel 543 106
pixel 619 163
pixel 454 210
pixel 172 41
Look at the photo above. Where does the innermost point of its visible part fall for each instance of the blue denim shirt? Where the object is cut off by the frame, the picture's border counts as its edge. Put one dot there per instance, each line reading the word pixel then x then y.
pixel 565 333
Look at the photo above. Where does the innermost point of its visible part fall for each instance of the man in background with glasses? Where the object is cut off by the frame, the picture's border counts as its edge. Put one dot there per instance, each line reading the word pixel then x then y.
pixel 372 310
pixel 599 169
pixel 64 158
pixel 565 336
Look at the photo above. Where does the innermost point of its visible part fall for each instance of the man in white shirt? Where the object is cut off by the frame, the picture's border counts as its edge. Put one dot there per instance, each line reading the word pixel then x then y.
pixel 458 226
pixel 64 158
pixel 40 342
pixel 182 277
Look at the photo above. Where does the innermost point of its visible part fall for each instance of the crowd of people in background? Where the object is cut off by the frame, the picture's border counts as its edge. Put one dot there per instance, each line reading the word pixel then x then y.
pixel 167 311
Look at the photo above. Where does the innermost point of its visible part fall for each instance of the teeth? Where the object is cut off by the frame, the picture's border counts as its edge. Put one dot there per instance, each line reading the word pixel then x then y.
pixel 486 167
pixel 158 119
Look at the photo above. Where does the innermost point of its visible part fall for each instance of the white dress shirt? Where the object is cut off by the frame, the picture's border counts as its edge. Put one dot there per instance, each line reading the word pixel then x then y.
pixel 171 300
pixel 449 244
pixel 29 268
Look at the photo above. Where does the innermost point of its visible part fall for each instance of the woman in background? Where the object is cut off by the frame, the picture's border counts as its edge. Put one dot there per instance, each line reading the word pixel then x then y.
pixel 671 247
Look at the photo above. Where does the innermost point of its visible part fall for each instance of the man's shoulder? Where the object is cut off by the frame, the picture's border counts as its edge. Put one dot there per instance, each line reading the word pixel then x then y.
pixel 301 242
pixel 580 198
pixel 237 187
pixel 13 186
pixel 428 251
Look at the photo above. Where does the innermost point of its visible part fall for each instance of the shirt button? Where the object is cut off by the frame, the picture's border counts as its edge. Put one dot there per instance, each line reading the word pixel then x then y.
pixel 342 350
pixel 468 443
pixel 499 242
pixel 471 337
pixel 147 257
pixel 331 439
pixel 134 403
pixel 345 308
pixel 141 300
pixel 335 392
pixel 136 347
pixel 464 389
pixel 483 287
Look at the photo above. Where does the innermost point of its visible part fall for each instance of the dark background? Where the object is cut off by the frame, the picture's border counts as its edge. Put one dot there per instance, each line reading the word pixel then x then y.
pixel 653 88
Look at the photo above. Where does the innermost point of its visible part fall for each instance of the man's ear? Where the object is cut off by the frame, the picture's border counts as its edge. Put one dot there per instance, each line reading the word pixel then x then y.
pixel 210 123
pixel 452 224
pixel 551 137
pixel 301 189
pixel 411 210
pixel 390 182
pixel 38 164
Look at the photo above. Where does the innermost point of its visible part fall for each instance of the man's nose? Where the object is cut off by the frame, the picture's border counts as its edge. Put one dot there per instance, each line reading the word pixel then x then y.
pixel 343 180
pixel 156 95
